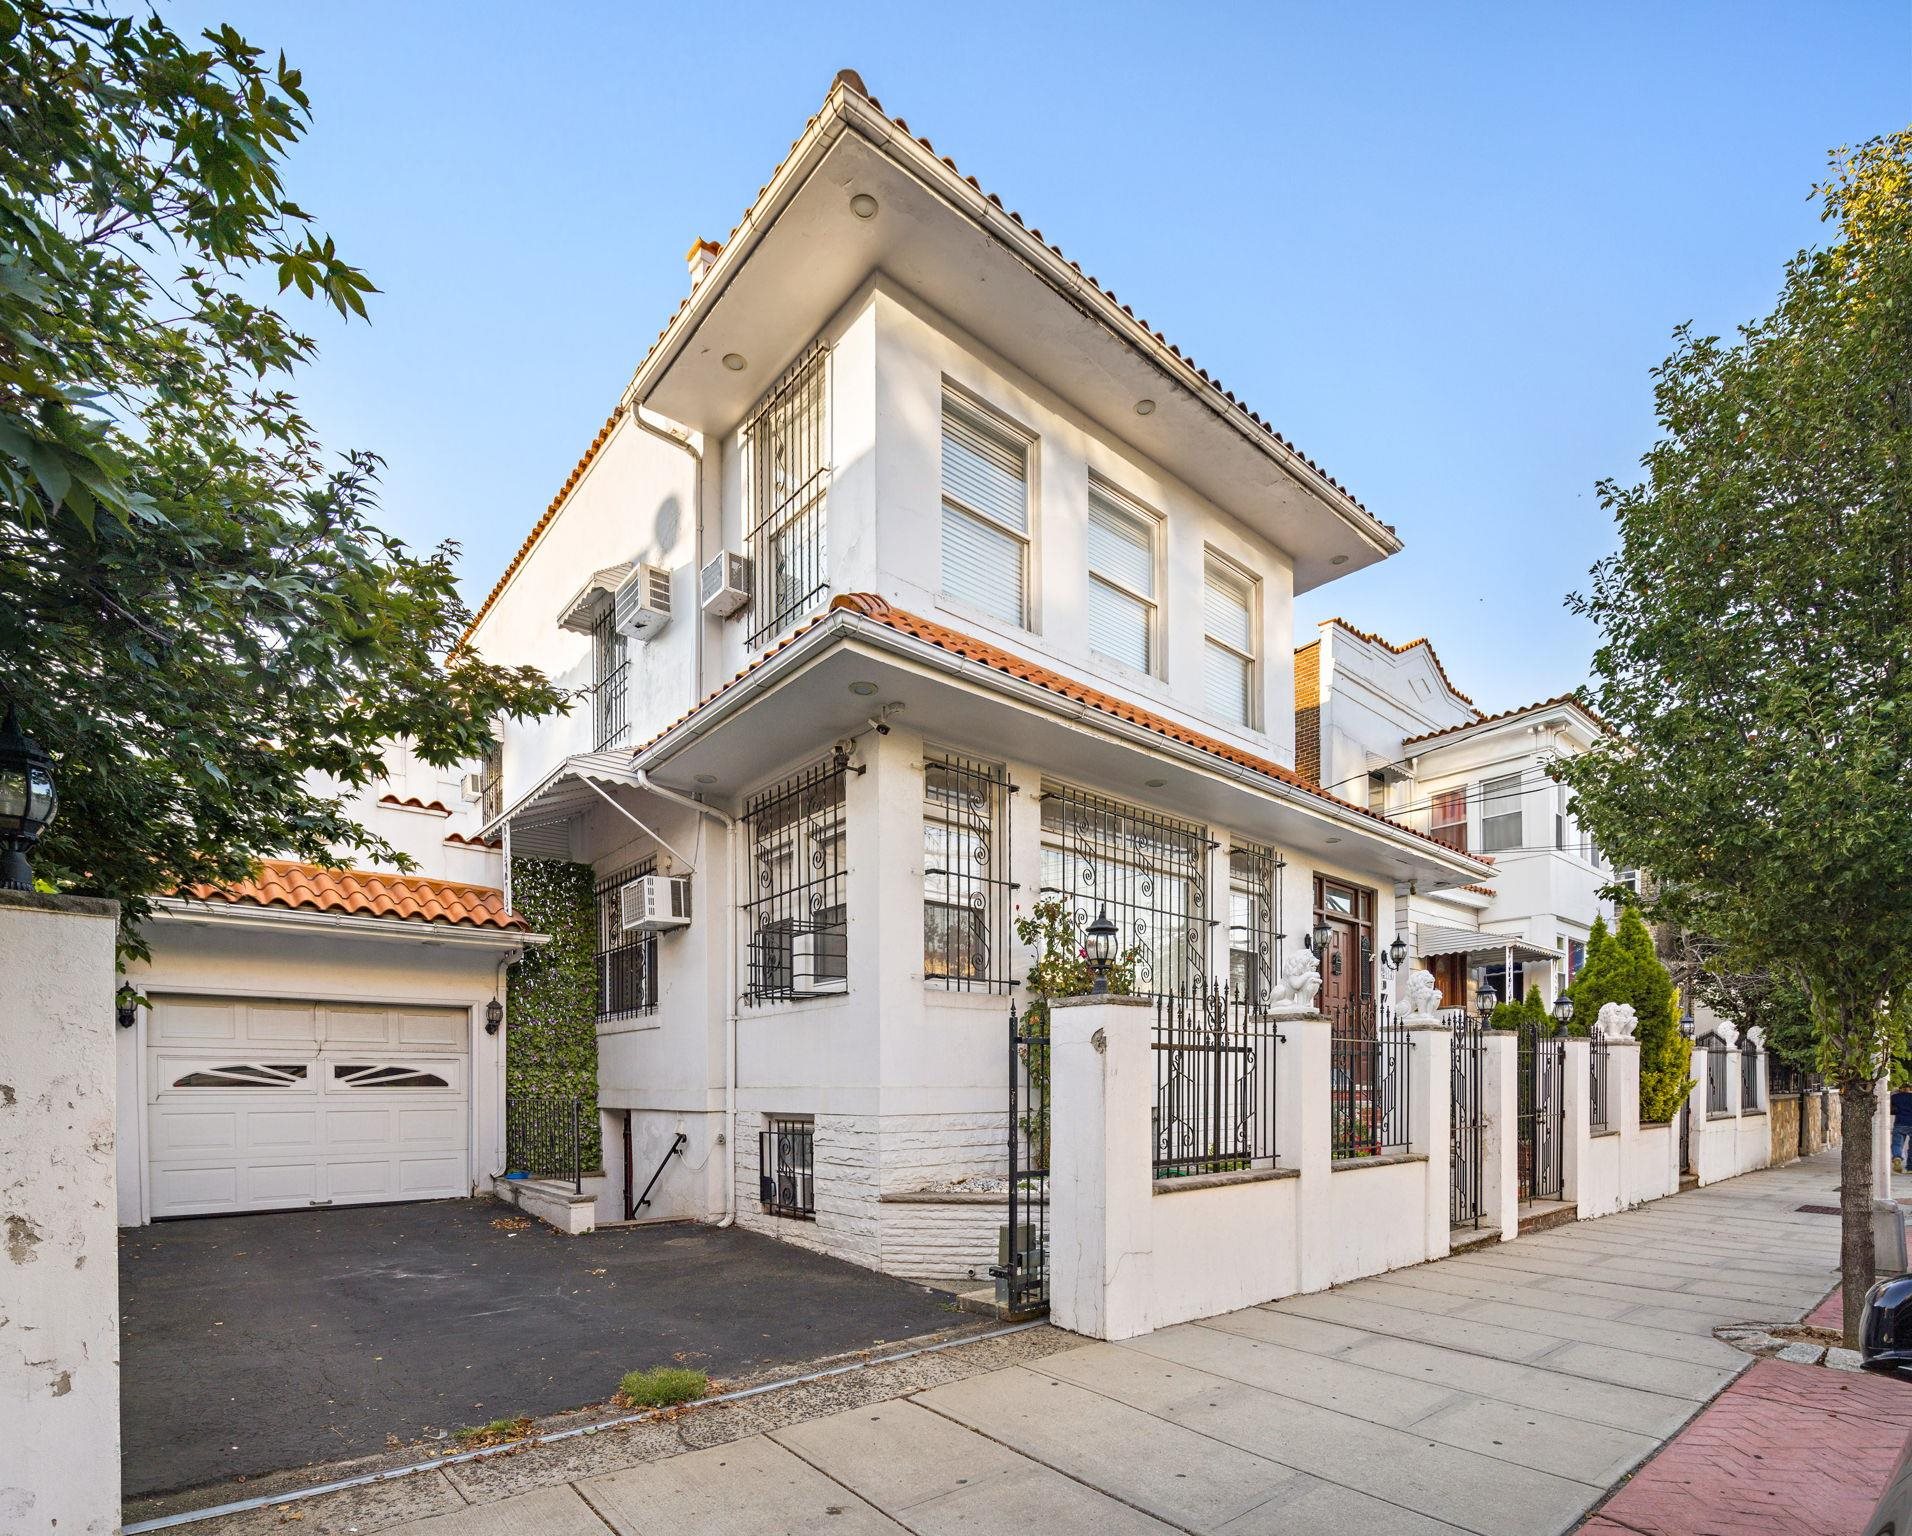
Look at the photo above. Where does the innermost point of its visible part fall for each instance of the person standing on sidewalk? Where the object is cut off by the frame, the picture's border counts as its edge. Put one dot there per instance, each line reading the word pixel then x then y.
pixel 1901 1128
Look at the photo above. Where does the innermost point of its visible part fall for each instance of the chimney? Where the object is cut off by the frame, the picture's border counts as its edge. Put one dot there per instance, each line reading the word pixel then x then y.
pixel 702 256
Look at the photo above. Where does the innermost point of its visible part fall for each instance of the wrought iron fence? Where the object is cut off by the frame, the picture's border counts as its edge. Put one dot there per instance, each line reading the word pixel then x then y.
pixel 544 1137
pixel 1368 1080
pixel 787 1166
pixel 1597 1080
pixel 1021 1270
pixel 1466 1123
pixel 1715 1048
pixel 966 886
pixel 1541 1061
pixel 1215 1063
pixel 1748 1076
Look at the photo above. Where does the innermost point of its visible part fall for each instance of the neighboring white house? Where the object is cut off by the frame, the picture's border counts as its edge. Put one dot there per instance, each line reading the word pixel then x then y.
pixel 915 578
pixel 1383 723
pixel 319 1037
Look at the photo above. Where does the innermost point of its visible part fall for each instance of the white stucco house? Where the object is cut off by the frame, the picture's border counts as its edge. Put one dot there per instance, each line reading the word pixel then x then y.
pixel 914 579
pixel 321 1037
pixel 1384 723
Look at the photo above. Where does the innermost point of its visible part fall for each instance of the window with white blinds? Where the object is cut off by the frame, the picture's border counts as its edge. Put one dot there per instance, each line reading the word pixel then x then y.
pixel 985 514
pixel 1228 675
pixel 1121 581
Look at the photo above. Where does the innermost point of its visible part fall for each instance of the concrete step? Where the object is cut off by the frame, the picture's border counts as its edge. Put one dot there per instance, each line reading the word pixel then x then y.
pixel 1541 1215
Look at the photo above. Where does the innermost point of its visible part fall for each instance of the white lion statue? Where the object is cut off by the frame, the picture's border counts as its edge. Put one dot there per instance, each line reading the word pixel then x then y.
pixel 1300 980
pixel 1422 994
pixel 1617 1021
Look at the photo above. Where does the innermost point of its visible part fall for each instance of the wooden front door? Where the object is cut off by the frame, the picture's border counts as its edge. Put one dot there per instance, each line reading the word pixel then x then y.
pixel 1450 975
pixel 1347 985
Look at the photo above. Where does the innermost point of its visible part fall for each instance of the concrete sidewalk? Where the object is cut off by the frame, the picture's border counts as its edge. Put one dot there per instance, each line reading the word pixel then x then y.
pixel 1500 1392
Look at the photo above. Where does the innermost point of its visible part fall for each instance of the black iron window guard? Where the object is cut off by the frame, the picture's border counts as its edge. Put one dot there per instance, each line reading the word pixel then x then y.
pixel 967 891
pixel 626 962
pixel 1254 914
pixel 796 917
pixel 610 683
pixel 787 449
pixel 1148 871
pixel 786 1166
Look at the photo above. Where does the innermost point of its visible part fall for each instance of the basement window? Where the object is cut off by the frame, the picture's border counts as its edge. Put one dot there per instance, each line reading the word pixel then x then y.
pixel 786 1166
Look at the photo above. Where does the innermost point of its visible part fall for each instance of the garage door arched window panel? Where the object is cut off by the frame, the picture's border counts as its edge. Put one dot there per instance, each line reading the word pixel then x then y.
pixel 384 1075
pixel 1149 871
pixel 245 1075
pixel 795 910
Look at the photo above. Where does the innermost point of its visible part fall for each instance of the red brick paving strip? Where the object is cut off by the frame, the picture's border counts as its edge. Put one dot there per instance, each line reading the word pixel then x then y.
pixel 1830 1312
pixel 1794 1450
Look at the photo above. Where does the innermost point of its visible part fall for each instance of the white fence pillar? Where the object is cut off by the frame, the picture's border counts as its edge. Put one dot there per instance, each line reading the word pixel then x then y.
pixel 1430 1115
pixel 1639 1180
pixel 59 1377
pixel 1101 1165
pixel 1576 1125
pixel 1304 1129
pixel 1500 1133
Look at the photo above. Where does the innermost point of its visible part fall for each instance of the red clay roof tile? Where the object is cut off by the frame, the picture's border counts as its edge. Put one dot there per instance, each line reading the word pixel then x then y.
pixel 364 893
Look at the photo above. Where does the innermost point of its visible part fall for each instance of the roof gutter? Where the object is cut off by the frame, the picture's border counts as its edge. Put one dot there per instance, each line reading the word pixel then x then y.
pixel 394 929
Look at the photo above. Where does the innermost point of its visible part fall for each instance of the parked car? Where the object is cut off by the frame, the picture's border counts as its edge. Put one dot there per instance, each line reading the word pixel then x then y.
pixel 1885 1327
pixel 1892 1515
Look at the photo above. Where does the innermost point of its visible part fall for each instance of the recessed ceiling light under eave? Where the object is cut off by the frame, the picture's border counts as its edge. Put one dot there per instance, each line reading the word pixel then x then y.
pixel 863 206
pixel 1145 407
pixel 736 362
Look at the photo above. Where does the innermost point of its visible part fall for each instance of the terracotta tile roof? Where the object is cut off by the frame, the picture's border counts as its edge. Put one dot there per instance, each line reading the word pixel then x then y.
pixel 413 803
pixel 459 840
pixel 1308 711
pixel 851 81
pixel 869 606
pixel 1402 650
pixel 1480 890
pixel 362 893
pixel 538 528
pixel 1509 714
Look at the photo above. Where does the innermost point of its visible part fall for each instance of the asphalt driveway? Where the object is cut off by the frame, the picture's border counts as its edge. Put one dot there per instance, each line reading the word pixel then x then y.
pixel 251 1344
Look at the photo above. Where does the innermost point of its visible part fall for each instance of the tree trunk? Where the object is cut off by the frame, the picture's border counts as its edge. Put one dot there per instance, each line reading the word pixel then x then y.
pixel 1858 1102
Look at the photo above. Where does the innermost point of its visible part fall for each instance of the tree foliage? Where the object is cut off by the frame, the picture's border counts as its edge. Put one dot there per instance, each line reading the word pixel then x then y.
pixel 199 618
pixel 1622 967
pixel 1756 642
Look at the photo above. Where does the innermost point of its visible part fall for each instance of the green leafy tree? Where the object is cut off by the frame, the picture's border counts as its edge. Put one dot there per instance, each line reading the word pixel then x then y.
pixel 1666 1055
pixel 1755 658
pixel 199 617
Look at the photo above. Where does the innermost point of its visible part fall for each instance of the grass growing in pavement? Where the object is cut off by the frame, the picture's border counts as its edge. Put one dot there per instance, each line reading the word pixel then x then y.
pixel 477 1436
pixel 661 1386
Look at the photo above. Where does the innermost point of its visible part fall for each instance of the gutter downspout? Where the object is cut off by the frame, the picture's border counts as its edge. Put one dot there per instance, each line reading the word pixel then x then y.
pixel 732 853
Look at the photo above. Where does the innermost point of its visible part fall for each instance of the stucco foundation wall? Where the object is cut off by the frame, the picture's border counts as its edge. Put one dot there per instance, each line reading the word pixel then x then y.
pixel 1600 1174
pixel 921 1151
pixel 690 1188
pixel 1218 1250
pixel 1651 1170
pixel 951 1240
pixel 1753 1147
pixel 1379 1219
pixel 59 1276
pixel 847 1224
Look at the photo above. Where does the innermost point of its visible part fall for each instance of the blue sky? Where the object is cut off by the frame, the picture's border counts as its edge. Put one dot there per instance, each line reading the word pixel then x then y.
pixel 1439 246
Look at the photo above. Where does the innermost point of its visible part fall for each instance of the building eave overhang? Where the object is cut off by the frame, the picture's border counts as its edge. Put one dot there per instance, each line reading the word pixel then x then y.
pixel 248 916
pixel 1566 711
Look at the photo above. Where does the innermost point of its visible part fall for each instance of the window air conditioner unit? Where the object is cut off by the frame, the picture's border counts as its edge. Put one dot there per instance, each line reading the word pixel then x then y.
pixel 724 585
pixel 643 602
pixel 474 786
pixel 652 903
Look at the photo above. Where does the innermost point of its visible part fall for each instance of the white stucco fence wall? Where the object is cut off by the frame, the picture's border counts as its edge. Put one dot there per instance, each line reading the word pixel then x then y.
pixel 59 1272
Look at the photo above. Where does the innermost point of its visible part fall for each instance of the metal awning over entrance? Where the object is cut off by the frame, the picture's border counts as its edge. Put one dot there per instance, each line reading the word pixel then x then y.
pixel 1431 939
pixel 541 823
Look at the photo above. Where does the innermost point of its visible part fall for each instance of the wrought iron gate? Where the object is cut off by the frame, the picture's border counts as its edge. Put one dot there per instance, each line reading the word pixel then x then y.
pixel 1465 1122
pixel 1022 1268
pixel 1543 1081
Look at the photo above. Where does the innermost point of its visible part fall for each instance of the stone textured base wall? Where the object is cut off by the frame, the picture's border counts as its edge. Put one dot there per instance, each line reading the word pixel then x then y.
pixel 953 1240
pixel 920 1151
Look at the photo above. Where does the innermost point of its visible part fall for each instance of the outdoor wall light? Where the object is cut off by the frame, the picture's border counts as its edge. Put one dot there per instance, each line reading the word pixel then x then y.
pixel 27 801
pixel 1320 939
pixel 126 1006
pixel 494 1016
pixel 735 362
pixel 863 206
pixel 1484 1001
pixel 1397 953
pixel 1563 1010
pixel 1101 951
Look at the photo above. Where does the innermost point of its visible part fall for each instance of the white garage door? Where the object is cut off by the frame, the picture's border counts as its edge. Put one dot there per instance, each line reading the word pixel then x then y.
pixel 265 1104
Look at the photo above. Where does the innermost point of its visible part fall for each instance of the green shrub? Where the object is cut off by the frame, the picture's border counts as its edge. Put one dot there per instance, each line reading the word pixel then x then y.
pixel 552 1046
pixel 661 1386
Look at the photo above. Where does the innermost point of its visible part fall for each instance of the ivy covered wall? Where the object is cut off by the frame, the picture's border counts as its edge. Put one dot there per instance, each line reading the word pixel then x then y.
pixel 552 992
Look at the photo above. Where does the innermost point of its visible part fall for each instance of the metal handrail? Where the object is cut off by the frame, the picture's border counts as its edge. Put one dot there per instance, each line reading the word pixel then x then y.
pixel 644 1199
